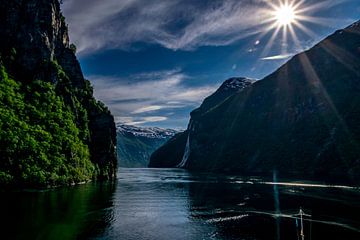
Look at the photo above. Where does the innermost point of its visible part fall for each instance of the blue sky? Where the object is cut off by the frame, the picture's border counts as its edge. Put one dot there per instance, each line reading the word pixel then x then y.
pixel 153 61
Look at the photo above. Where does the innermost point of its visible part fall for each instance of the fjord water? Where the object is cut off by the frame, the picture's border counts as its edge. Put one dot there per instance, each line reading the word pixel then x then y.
pixel 176 204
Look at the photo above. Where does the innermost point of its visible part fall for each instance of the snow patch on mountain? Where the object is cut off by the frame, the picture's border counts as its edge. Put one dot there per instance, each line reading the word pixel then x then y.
pixel 236 83
pixel 147 132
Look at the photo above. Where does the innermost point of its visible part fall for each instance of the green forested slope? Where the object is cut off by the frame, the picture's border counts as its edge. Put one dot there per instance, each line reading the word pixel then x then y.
pixel 40 142
pixel 52 129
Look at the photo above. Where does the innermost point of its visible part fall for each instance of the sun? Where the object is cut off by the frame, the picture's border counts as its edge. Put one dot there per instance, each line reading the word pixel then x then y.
pixel 285 15
pixel 283 21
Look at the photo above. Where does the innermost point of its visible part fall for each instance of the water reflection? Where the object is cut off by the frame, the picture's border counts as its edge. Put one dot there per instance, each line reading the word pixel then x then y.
pixel 66 213
pixel 261 209
pixel 153 204
pixel 165 204
pixel 175 204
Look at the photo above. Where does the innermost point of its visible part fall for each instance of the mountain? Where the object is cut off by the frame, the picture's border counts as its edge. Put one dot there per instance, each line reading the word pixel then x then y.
pixel 136 144
pixel 53 131
pixel 226 90
pixel 172 152
pixel 302 121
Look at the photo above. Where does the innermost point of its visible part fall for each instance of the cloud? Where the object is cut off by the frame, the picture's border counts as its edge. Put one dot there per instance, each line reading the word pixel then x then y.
pixel 147 109
pixel 170 105
pixel 155 119
pixel 277 57
pixel 140 120
pixel 140 96
pixel 174 24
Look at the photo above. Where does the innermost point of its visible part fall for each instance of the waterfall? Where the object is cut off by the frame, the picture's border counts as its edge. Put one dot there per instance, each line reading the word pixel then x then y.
pixel 186 155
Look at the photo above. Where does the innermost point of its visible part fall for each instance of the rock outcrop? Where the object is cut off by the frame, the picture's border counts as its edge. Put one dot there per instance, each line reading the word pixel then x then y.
pixel 34 45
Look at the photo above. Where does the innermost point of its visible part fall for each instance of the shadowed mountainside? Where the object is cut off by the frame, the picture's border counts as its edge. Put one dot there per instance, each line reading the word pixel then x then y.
pixel 301 120
pixel 171 153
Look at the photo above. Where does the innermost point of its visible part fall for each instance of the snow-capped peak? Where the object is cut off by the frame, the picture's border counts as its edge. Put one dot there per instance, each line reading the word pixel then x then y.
pixel 236 83
pixel 148 132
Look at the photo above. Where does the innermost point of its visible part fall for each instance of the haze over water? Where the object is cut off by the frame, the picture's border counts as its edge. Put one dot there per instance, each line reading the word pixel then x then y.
pixel 176 204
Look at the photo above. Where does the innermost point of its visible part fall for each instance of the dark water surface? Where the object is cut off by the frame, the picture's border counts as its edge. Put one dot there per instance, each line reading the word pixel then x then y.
pixel 171 204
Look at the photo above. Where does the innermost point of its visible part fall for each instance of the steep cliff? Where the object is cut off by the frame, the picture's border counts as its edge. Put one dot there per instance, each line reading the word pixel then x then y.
pixel 35 48
pixel 176 151
pixel 171 153
pixel 303 120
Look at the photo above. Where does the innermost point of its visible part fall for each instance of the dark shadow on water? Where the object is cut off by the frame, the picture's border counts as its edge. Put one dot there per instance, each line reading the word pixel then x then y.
pixel 65 213
pixel 246 209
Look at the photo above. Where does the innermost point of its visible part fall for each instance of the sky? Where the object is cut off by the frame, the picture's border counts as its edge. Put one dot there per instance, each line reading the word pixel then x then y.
pixel 153 61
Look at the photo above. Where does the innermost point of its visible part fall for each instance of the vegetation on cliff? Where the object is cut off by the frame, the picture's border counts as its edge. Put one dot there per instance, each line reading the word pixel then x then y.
pixel 52 130
pixel 40 141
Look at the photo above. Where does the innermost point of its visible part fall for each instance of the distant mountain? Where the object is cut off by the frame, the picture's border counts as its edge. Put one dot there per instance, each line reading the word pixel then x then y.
pixel 136 144
pixel 303 120
pixel 172 153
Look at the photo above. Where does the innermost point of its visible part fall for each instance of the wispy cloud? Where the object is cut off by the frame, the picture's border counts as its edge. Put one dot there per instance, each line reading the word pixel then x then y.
pixel 140 96
pixel 277 57
pixel 147 109
pixel 140 120
pixel 175 24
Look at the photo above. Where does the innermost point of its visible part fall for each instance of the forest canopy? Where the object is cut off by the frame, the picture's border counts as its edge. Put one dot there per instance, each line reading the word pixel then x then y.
pixel 40 142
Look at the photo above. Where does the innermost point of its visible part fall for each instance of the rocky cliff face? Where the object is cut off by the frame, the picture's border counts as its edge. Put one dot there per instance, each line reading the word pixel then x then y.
pixel 302 121
pixel 176 151
pixel 34 45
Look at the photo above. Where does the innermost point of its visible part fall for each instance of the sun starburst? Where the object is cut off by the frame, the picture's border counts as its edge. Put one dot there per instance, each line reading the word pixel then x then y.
pixel 285 18
pixel 285 15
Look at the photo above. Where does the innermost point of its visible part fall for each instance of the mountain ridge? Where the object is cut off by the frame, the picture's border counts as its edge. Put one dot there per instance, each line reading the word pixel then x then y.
pixel 149 132
pixel 172 152
pixel 136 144
pixel 301 119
